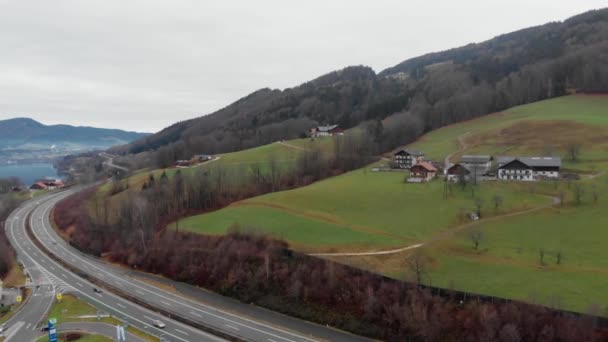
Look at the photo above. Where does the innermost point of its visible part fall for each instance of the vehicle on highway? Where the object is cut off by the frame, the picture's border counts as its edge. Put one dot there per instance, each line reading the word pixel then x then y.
pixel 97 290
pixel 158 324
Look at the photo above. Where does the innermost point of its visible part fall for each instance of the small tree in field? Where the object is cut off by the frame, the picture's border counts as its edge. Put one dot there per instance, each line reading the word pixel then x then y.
pixel 497 199
pixel 541 256
pixel 476 237
pixel 417 265
pixel 579 192
pixel 478 205
pixel 574 151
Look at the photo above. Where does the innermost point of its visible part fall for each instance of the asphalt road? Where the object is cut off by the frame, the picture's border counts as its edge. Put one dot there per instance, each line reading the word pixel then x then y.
pixel 222 314
pixel 22 327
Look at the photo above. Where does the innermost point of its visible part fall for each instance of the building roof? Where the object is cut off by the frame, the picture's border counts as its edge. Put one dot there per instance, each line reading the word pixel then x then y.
pixel 427 166
pixel 40 184
pixel 326 128
pixel 411 152
pixel 468 158
pixel 533 161
pixel 458 165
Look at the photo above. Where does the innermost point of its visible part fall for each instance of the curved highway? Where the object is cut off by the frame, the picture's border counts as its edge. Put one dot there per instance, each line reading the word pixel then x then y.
pixel 35 259
pixel 23 325
pixel 261 326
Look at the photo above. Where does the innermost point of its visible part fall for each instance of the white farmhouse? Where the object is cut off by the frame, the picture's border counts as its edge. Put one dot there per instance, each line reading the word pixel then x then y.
pixel 528 168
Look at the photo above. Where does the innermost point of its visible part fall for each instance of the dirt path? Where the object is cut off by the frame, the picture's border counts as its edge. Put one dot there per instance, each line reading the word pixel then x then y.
pixel 318 217
pixel 447 233
pixel 292 146
pixel 462 145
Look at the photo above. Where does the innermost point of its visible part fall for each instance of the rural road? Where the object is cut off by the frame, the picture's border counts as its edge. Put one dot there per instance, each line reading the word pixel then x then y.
pixel 461 147
pixel 229 318
pixel 110 162
pixel 443 235
pixel 291 146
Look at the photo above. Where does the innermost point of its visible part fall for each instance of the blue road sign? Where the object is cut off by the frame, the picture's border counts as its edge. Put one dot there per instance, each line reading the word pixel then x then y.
pixel 52 330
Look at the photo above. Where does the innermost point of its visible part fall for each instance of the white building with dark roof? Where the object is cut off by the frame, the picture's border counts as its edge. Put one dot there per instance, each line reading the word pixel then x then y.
pixel 405 159
pixel 528 168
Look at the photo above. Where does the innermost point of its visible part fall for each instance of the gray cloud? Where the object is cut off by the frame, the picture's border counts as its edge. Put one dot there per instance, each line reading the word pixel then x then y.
pixel 142 65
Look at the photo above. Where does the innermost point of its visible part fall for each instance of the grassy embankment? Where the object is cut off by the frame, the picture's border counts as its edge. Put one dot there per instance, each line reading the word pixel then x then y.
pixel 72 309
pixel 374 211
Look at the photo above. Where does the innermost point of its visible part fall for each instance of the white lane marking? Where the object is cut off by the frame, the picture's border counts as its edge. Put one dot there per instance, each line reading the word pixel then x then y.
pixel 183 332
pixel 122 306
pixel 232 327
pixel 271 340
pixel 141 293
pixel 195 314
pixel 28 326
pixel 99 295
pixel 86 295
pixel 152 319
pixel 79 284
pixel 162 301
pixel 190 301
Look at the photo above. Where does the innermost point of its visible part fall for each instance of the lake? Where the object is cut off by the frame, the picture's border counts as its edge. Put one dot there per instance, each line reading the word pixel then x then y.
pixel 28 173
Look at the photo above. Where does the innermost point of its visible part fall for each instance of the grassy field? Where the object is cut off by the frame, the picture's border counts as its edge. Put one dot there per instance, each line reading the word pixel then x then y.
pixel 546 127
pixel 366 211
pixel 360 210
pixel 285 153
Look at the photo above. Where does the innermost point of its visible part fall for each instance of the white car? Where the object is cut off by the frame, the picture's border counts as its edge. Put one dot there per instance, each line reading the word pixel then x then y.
pixel 158 324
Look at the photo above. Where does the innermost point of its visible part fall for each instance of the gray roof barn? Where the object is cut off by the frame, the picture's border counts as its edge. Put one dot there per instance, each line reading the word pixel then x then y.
pixel 532 161
pixel 467 158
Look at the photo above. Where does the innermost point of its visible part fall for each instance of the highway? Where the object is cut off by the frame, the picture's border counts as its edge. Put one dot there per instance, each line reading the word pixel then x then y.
pixel 23 327
pixel 233 324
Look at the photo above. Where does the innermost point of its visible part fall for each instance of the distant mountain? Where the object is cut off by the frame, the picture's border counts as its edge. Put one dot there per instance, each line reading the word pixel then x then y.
pixel 27 134
pixel 415 96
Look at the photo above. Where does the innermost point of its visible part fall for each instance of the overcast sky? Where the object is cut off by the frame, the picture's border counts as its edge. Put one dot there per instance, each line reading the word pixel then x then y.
pixel 142 65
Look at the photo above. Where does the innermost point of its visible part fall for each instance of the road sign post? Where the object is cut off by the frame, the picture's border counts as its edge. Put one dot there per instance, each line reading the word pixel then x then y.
pixel 52 330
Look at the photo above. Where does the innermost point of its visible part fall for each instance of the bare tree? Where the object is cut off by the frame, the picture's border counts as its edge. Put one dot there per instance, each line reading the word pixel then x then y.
pixel 478 205
pixel 579 192
pixel 497 199
pixel 417 264
pixel 595 193
pixel 476 237
pixel 574 151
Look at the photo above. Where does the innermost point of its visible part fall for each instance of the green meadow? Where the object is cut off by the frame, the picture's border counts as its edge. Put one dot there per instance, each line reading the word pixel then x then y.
pixel 375 211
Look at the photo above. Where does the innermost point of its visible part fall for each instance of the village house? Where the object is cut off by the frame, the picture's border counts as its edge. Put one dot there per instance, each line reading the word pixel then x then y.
pixel 39 186
pixel 325 131
pixel 457 172
pixel 478 165
pixel 405 159
pixel 422 172
pixel 183 163
pixel 528 168
pixel 201 158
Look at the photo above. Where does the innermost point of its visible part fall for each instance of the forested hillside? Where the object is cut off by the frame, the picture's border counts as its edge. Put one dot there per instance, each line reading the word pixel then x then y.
pixel 421 94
